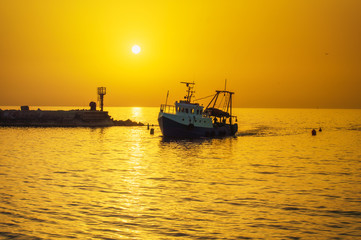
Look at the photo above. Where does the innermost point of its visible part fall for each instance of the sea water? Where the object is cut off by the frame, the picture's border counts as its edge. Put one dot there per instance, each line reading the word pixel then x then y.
pixel 273 180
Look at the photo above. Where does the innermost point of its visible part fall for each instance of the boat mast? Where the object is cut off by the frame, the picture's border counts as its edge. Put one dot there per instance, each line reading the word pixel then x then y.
pixel 190 91
pixel 230 104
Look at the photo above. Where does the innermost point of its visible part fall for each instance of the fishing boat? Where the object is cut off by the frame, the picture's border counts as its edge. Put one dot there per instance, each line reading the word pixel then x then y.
pixel 187 119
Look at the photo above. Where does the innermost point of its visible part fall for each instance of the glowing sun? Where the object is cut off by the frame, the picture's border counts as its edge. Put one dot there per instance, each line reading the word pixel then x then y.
pixel 136 49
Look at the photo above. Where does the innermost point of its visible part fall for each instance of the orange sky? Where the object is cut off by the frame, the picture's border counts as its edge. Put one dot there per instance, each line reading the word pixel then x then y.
pixel 278 53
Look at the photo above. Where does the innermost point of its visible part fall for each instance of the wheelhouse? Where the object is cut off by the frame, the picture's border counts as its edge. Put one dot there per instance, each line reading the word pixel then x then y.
pixel 183 107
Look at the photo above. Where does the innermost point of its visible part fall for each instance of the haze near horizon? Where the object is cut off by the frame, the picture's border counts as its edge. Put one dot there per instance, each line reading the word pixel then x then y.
pixel 272 53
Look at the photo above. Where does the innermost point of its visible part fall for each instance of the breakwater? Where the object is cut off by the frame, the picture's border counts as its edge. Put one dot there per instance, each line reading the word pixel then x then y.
pixel 71 118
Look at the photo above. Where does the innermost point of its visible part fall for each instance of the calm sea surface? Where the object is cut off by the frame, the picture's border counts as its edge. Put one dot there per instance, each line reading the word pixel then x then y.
pixel 272 181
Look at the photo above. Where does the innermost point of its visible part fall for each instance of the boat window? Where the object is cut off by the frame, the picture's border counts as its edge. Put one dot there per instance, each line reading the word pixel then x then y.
pixel 192 110
pixel 186 110
pixel 182 109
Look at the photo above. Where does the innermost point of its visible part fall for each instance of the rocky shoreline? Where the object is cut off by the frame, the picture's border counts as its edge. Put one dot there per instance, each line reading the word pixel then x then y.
pixel 128 123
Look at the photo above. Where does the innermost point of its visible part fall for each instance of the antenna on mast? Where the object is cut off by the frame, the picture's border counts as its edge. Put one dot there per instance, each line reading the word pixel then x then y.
pixel 190 86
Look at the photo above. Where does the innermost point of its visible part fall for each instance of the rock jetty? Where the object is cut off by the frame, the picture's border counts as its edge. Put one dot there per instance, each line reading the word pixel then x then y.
pixel 71 118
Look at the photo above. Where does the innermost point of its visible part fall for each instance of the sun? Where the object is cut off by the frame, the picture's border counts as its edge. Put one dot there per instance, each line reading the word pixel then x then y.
pixel 136 49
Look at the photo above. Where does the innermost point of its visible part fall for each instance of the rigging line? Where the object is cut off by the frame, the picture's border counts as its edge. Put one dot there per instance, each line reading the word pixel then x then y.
pixel 204 97
pixel 225 103
pixel 225 106
pixel 221 102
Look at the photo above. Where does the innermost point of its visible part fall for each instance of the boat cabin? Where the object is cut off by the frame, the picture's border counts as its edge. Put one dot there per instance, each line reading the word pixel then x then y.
pixel 188 108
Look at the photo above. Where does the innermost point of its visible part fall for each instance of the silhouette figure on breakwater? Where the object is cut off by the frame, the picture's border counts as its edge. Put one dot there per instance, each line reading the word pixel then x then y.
pixel 93 106
pixel 313 132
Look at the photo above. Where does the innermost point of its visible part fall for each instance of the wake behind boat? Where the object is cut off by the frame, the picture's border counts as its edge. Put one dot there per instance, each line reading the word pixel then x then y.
pixel 187 119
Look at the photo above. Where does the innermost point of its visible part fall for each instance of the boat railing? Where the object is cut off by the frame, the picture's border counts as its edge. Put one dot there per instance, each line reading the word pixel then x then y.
pixel 167 108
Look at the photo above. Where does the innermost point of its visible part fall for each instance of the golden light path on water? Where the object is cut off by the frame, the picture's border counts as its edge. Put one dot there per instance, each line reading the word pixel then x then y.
pixel 272 181
pixel 136 111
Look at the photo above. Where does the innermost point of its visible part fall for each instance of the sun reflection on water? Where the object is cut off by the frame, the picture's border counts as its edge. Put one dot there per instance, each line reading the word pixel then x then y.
pixel 136 112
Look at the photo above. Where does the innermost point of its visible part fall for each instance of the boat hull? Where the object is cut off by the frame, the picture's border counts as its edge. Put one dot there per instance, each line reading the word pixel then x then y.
pixel 173 129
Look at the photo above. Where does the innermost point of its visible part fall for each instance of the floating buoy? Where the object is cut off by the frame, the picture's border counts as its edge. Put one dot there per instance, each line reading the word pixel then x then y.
pixel 152 131
pixel 320 129
pixel 313 132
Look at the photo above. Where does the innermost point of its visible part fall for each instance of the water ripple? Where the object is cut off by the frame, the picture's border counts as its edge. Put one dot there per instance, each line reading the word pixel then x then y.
pixel 272 181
